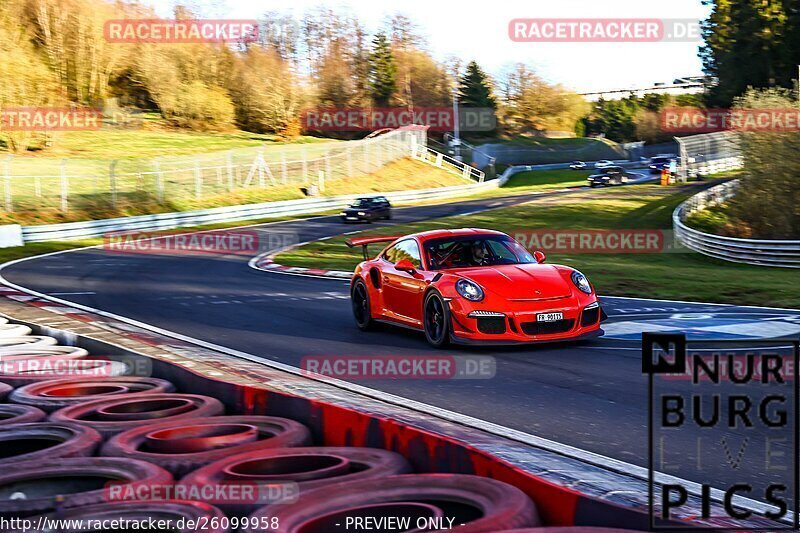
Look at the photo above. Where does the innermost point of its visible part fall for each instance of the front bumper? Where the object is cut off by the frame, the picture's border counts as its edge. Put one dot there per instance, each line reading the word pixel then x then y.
pixel 518 323
pixel 354 217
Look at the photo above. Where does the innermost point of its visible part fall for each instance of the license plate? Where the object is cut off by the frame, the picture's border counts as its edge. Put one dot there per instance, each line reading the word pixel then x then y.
pixel 549 317
pixel 352 218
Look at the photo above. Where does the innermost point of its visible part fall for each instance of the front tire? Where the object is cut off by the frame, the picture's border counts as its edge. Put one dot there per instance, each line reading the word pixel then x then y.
pixel 362 310
pixel 436 320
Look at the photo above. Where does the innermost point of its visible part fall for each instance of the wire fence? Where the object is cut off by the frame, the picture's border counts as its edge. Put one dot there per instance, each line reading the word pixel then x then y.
pixel 31 184
pixel 708 153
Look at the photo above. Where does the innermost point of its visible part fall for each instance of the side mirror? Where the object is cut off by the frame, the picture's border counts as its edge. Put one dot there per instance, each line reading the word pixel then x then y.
pixel 404 265
pixel 539 256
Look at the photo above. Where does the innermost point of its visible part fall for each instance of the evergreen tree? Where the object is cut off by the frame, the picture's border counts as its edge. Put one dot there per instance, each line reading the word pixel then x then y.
pixel 474 89
pixel 382 71
pixel 791 43
pixel 744 47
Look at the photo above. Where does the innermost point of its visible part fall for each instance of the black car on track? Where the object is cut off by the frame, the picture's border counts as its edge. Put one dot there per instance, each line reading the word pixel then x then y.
pixel 367 209
pixel 608 176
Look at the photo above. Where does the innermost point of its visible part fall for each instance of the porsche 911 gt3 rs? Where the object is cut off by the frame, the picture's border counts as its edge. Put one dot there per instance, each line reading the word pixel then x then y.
pixel 472 286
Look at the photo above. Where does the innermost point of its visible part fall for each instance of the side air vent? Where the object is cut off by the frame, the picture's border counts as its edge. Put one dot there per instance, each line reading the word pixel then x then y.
pixel 375 278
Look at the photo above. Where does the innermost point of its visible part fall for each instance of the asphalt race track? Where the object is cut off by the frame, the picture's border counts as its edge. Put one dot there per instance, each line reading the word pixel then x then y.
pixel 591 395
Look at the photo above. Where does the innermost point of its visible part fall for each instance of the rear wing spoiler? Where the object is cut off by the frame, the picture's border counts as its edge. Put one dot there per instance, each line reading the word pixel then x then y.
pixel 364 242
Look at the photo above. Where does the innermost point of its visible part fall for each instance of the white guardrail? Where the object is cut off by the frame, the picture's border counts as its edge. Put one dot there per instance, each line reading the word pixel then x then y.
pixel 164 221
pixel 451 164
pixel 777 253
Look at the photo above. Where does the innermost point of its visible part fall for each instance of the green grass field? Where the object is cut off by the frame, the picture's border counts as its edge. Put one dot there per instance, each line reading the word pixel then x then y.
pixel 542 180
pixel 151 139
pixel 675 275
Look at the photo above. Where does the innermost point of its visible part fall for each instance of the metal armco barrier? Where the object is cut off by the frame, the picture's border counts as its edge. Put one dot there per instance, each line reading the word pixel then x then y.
pixel 776 253
pixel 165 221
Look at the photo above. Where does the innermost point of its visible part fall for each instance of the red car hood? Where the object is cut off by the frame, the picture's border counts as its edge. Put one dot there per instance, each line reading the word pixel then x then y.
pixel 519 282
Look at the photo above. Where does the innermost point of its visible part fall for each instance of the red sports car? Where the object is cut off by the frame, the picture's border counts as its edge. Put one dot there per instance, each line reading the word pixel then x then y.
pixel 472 286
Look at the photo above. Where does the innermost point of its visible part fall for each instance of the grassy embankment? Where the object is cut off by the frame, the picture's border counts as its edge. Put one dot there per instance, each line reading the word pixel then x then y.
pixel 89 179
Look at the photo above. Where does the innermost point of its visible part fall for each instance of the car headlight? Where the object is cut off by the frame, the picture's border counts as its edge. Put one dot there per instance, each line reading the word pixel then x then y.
pixel 361 213
pixel 581 282
pixel 469 290
pixel 343 213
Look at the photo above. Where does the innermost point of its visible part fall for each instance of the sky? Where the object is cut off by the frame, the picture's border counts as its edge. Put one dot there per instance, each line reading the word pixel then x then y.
pixel 476 30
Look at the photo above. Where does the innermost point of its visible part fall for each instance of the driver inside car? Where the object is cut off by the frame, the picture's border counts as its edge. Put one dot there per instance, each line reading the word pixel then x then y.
pixel 479 254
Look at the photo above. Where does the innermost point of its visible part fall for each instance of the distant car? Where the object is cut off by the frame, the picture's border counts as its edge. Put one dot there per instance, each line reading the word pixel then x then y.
pixel 472 286
pixel 658 163
pixel 603 163
pixel 367 209
pixel 609 176
pixel 577 165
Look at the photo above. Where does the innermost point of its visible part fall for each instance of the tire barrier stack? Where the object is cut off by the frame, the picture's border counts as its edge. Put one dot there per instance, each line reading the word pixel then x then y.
pixel 80 439
pixel 55 394
pixel 26 359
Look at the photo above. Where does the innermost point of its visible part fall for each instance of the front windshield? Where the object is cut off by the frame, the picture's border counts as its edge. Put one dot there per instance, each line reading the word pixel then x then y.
pixel 472 251
pixel 361 202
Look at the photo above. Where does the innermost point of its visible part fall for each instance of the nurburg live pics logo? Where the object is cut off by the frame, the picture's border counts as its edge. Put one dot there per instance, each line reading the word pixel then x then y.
pixel 754 410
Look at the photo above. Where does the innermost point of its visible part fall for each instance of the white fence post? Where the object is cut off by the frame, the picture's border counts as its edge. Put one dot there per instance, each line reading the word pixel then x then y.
pixel 321 181
pixel 198 180
pixel 7 174
pixel 349 163
pixel 64 187
pixel 328 165
pixel 37 186
pixel 305 165
pixel 159 180
pixel 112 182
pixel 261 164
pixel 230 170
